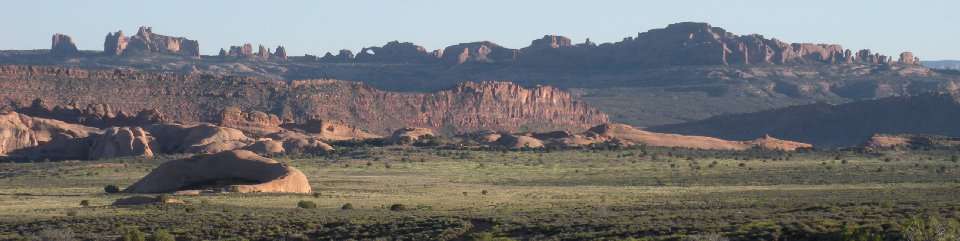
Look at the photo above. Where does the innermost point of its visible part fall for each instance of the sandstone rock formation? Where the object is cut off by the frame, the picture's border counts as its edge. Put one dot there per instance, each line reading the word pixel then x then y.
pixel 265 146
pixel 204 138
pixel 263 52
pixel 305 146
pixel 330 130
pixel 686 43
pixel 281 53
pixel 254 121
pixel 63 44
pixel 479 52
pixel 240 51
pixel 94 115
pixel 122 141
pixel 242 171
pixel 411 134
pixel 466 107
pixel 519 141
pixel 625 135
pixel 883 140
pixel 343 56
pixel 396 51
pixel 23 136
pixel 145 41
pixel 908 58
pixel 876 141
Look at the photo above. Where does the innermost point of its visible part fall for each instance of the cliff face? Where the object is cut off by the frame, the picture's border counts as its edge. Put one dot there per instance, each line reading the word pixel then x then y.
pixel 466 107
pixel 829 125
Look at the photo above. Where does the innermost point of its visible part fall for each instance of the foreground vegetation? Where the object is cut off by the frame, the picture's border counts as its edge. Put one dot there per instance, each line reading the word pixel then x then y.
pixel 443 193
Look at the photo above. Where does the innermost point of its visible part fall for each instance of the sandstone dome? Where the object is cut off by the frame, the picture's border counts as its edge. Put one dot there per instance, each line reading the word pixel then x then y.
pixel 238 170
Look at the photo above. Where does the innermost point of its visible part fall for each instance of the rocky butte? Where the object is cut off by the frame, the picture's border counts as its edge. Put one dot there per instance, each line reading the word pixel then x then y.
pixel 63 44
pixel 145 41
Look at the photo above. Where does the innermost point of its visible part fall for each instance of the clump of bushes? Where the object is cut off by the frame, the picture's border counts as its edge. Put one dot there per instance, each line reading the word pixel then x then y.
pixel 307 204
pixel 398 207
pixel 347 206
pixel 111 189
pixel 161 236
pixel 133 235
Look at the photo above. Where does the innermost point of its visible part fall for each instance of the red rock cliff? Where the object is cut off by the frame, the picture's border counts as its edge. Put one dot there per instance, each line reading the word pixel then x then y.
pixel 466 107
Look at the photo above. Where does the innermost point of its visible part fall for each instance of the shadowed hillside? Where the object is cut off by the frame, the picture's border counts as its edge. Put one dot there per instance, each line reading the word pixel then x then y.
pixel 827 125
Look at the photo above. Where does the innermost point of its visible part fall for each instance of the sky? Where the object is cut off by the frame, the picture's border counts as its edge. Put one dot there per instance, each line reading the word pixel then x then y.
pixel 929 29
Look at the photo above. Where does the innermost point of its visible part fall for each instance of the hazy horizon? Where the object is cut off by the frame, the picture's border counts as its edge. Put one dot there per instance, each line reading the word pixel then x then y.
pixel 887 27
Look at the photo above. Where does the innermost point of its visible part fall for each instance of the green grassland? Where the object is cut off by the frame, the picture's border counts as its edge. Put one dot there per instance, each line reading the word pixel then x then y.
pixel 557 194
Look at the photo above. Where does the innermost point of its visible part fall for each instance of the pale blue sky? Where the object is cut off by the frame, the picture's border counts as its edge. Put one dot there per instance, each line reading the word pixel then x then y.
pixel 928 28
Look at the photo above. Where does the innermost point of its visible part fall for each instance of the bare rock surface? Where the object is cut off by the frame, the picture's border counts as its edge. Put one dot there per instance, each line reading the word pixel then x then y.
pixel 63 44
pixel 625 135
pixel 22 135
pixel 145 41
pixel 238 170
pixel 122 141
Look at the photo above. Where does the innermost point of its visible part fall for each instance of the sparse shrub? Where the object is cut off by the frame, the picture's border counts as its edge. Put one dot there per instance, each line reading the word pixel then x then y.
pixel 307 204
pixel 742 164
pixel 347 206
pixel 161 236
pixel 84 203
pixel 844 161
pixel 317 194
pixel 484 192
pixel 398 207
pixel 162 198
pixel 705 237
pixel 387 165
pixel 111 189
pixel 133 235
pixel 931 229
pixel 56 235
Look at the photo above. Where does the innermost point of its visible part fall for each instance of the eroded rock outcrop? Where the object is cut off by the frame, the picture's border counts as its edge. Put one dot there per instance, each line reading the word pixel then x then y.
pixel 479 52
pixel 243 51
pixel 241 171
pixel 625 135
pixel 122 141
pixel 254 121
pixel 23 136
pixel 145 41
pixel 280 53
pixel 396 51
pixel 63 44
pixel 94 115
